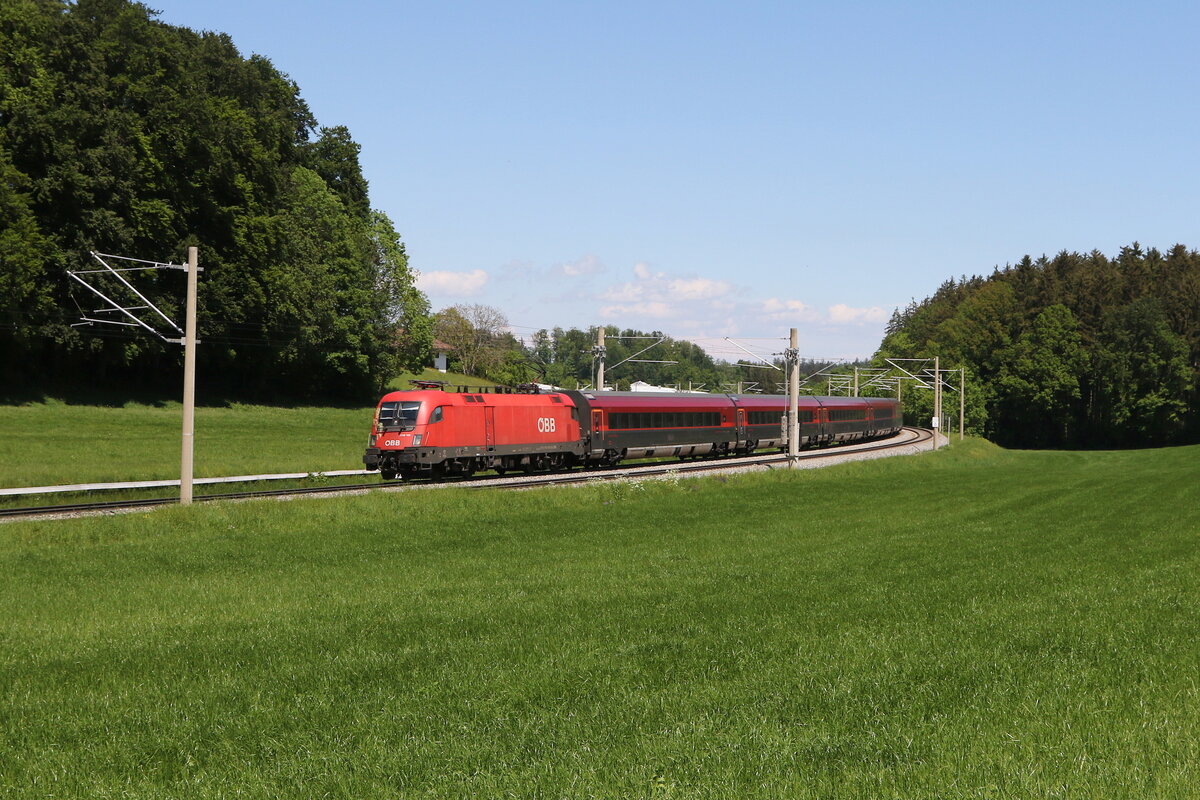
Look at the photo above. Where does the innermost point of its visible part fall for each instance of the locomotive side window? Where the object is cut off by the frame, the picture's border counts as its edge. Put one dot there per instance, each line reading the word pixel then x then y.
pixel 398 415
pixel 436 416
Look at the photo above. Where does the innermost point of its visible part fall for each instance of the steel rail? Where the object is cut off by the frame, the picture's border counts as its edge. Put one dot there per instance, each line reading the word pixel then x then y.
pixel 523 480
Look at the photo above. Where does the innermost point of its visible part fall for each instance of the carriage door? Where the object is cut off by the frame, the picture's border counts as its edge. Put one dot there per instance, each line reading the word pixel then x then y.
pixel 741 425
pixel 489 427
pixel 597 424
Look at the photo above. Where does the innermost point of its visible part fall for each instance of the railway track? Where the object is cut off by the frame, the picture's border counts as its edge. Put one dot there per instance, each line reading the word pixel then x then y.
pixel 906 438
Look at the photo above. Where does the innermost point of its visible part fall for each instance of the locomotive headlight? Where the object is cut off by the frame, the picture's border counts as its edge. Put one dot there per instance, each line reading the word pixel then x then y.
pixel 417 440
pixel 371 441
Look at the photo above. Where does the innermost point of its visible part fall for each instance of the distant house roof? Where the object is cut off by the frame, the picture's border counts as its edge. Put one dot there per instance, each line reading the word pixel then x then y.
pixel 438 344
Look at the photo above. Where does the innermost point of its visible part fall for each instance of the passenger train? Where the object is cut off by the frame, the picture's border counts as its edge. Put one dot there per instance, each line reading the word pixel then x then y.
pixel 432 433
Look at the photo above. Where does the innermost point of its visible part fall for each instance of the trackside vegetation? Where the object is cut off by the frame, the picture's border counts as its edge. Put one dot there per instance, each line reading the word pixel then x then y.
pixel 971 623
pixel 58 443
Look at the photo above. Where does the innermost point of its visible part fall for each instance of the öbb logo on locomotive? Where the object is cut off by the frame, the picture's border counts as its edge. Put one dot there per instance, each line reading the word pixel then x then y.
pixel 556 430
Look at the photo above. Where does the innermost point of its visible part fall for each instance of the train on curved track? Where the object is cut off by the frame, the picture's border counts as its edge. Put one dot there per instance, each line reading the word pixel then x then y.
pixel 431 433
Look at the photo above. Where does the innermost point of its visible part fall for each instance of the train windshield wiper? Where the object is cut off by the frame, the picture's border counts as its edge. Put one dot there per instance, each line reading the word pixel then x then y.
pixel 400 415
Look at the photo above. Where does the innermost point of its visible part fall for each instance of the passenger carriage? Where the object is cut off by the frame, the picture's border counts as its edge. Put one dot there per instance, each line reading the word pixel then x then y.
pixel 431 433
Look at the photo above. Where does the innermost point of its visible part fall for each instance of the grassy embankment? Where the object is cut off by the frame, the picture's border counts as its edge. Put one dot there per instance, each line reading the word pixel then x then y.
pixel 973 623
pixel 51 443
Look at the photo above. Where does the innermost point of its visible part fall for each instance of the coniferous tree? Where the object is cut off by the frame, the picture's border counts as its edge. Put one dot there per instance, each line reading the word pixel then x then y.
pixel 1070 351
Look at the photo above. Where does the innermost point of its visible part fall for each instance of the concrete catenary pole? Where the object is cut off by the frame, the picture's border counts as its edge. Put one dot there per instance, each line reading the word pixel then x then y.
pixel 793 359
pixel 189 382
pixel 962 400
pixel 600 356
pixel 937 402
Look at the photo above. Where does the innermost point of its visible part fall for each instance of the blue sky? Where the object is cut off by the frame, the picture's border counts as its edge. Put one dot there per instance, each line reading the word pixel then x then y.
pixel 736 169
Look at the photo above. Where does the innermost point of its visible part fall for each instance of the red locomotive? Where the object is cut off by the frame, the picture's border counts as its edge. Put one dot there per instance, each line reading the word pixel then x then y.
pixel 431 433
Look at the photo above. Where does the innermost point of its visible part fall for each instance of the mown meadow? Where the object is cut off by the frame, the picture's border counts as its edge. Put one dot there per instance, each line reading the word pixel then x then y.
pixel 971 623
pixel 56 442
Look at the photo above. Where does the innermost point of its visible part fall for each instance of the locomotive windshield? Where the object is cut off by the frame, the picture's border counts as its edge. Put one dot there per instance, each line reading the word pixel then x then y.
pixel 398 415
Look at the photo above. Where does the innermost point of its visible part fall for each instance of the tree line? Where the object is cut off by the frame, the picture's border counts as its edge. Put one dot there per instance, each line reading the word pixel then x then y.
pixel 125 135
pixel 1074 351
pixel 480 343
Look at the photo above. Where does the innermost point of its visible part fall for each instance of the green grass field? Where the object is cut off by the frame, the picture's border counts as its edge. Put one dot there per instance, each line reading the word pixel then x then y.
pixel 55 443
pixel 967 624
pixel 51 443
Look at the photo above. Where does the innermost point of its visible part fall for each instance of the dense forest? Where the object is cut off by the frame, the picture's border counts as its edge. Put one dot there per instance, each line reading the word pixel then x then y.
pixel 125 135
pixel 1074 351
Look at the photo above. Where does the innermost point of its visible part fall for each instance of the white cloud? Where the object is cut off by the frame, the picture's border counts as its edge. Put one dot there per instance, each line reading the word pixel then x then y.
pixel 658 288
pixel 624 293
pixel 656 309
pixel 443 283
pixel 588 265
pixel 790 311
pixel 773 306
pixel 697 288
pixel 842 314
pixel 689 302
